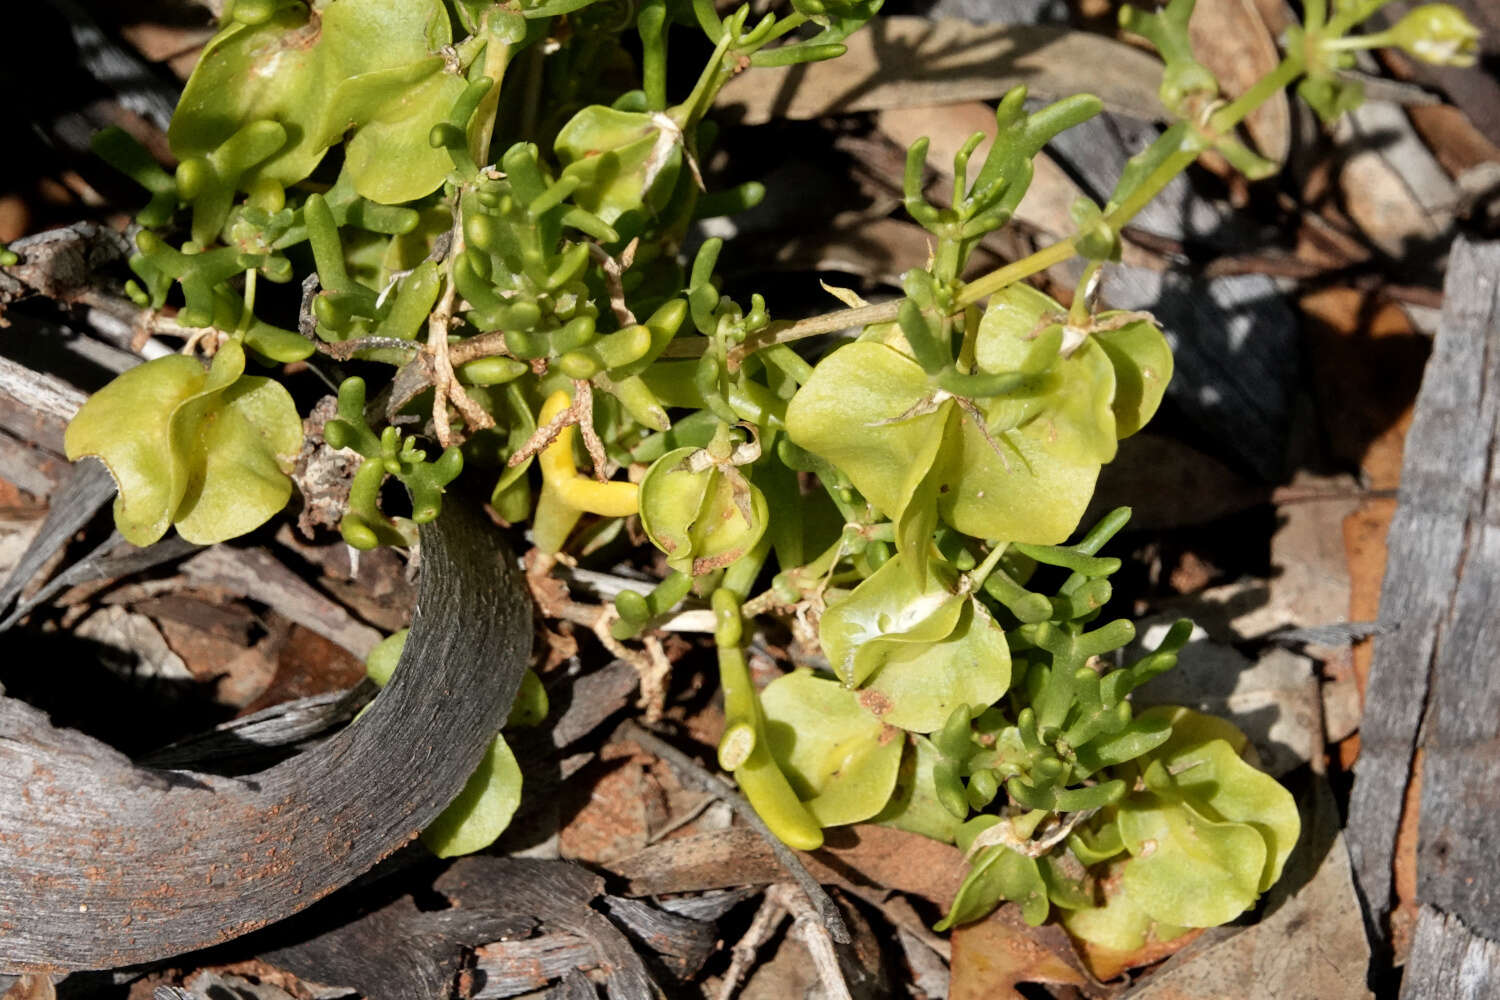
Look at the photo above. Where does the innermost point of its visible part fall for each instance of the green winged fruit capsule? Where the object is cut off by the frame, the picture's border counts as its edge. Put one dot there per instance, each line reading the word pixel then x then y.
pixel 208 451
pixel 703 519
pixel 627 161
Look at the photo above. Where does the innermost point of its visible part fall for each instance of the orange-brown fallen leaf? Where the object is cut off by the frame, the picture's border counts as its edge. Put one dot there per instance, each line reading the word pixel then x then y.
pixel 992 956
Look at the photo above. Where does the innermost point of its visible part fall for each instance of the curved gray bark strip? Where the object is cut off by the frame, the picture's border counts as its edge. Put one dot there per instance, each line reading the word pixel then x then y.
pixel 87 489
pixel 104 863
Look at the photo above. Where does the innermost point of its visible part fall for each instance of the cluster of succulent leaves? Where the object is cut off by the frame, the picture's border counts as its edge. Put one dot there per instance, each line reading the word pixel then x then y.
pixel 485 205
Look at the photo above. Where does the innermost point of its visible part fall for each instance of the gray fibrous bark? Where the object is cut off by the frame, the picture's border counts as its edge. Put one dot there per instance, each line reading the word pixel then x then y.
pixel 106 863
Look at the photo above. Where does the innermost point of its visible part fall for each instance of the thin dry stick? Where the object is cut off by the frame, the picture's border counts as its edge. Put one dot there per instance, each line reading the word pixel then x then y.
pixel 444 381
pixel 485 345
pixel 583 407
pixel 815 935
pixel 694 773
pixel 544 436
pixel 580 413
pixel 767 918
pixel 614 279
pixel 653 668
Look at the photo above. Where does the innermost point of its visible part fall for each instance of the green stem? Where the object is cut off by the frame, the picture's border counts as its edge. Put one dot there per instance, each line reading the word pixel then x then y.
pixel 710 82
pixel 247 316
pixel 496 58
pixel 1261 91
pixel 983 288
pixel 1078 312
pixel 740 576
pixel 982 572
pixel 1224 119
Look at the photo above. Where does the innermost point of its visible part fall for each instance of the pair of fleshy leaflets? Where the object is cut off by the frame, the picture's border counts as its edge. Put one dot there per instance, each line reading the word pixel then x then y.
pixel 917 646
pixel 1200 799
pixel 703 513
pixel 1031 472
pixel 1116 924
pixel 205 449
pixel 1206 833
pixel 1091 407
pixel 911 447
pixel 998 872
pixel 373 66
pixel 483 809
pixel 623 162
pixel 841 761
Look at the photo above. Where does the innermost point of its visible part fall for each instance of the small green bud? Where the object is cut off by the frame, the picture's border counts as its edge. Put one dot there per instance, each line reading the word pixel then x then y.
pixel 1437 33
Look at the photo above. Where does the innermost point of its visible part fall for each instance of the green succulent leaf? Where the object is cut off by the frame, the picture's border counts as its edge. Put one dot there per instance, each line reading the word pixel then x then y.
pixel 1142 361
pixel 1011 485
pixel 1139 736
pixel 389 157
pixel 888 609
pixel 842 761
pixel 1068 884
pixel 380 662
pixel 1076 415
pixel 1185 868
pixel 531 705
pixel 484 808
pixel 247 444
pixel 626 161
pixel 860 411
pixel 1092 846
pixel 995 874
pixel 319 76
pixel 1223 787
pixel 920 684
pixel 206 450
pixel 1118 923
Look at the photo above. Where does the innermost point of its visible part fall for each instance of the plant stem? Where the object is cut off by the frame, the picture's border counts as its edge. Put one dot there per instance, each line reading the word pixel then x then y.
pixel 496 59
pixel 1224 119
pixel 247 315
pixel 1261 91
pixel 1013 272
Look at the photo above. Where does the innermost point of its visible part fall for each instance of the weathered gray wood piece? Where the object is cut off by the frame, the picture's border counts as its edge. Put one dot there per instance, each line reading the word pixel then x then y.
pixel 1459 838
pixel 1450 962
pixel 112 558
pixel 557 895
pixel 1439 600
pixel 104 863
pixel 272 732
pixel 78 500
